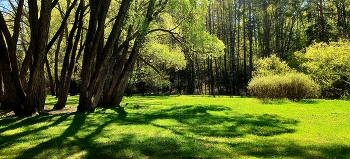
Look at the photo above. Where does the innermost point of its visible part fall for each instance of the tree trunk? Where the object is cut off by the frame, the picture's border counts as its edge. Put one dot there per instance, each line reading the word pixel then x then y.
pixel 36 92
pixel 92 86
pixel 51 82
pixel 69 59
pixel 1 89
pixel 98 12
pixel 4 99
pixel 233 79
pixel 118 92
pixel 10 88
pixel 245 82
pixel 322 23
pixel 119 84
pixel 251 27
pixel 57 51
pixel 110 88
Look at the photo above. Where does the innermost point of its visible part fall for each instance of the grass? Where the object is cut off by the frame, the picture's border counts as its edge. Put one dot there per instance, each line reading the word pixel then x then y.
pixel 184 127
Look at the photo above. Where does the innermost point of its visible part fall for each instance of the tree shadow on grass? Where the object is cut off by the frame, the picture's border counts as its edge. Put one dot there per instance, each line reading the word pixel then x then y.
pixel 199 120
pixel 28 121
pixel 13 122
pixel 183 121
pixel 57 143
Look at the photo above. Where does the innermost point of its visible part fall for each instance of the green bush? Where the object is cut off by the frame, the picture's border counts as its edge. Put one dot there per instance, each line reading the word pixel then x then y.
pixel 271 65
pixel 294 86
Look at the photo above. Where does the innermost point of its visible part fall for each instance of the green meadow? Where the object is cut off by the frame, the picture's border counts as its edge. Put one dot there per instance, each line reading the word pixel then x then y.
pixel 183 127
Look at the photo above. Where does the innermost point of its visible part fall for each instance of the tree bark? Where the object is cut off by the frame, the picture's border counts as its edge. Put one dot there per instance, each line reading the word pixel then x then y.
pixel 4 99
pixel 91 86
pixel 322 23
pixel 123 71
pixel 70 56
pixel 123 80
pixel 7 78
pixel 36 92
pixel 110 89
pixel 233 79
pixel 51 82
pixel 98 11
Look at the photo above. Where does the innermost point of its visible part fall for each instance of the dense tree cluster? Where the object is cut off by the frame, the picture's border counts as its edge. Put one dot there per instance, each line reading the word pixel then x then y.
pixel 94 44
pixel 100 48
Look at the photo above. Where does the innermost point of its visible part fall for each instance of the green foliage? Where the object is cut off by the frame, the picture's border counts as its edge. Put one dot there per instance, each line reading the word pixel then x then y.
pixel 271 65
pixel 190 16
pixel 145 80
pixel 329 65
pixel 159 53
pixel 294 86
pixel 274 79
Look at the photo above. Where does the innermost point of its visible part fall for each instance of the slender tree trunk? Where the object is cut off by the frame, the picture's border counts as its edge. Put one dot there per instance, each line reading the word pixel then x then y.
pixel 233 79
pixel 251 27
pixel 322 23
pixel 57 51
pixel 266 29
pixel 245 50
pixel 70 56
pixel 51 81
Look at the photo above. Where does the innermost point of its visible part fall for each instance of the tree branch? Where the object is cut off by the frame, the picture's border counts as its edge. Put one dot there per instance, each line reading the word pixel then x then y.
pixel 17 22
pixel 153 67
pixel 49 45
pixel 167 31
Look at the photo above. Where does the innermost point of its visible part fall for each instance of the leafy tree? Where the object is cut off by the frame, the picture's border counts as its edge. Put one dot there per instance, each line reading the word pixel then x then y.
pixel 328 64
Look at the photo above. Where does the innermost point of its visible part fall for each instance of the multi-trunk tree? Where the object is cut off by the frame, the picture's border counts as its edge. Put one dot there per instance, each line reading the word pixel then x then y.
pixel 26 96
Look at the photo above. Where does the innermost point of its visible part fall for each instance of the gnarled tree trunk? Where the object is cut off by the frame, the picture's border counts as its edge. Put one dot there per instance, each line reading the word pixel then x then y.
pixel 93 76
pixel 32 100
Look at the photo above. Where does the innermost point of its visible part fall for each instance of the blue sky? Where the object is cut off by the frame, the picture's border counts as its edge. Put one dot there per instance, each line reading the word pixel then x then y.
pixel 4 4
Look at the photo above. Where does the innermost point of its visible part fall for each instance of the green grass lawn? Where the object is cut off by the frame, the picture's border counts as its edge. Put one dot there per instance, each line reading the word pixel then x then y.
pixel 184 127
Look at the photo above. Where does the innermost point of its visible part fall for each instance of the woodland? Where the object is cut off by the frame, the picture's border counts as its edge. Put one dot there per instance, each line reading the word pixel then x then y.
pixel 102 50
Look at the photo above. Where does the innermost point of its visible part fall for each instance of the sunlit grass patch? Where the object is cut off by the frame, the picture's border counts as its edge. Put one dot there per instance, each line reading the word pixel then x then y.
pixel 184 127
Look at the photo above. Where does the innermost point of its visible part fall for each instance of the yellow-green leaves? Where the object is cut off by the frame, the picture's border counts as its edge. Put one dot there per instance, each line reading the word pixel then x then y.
pixel 157 53
pixel 189 15
pixel 272 65
pixel 329 65
pixel 326 62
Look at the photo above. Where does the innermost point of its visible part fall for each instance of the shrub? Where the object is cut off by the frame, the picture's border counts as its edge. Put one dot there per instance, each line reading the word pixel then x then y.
pixel 271 65
pixel 294 86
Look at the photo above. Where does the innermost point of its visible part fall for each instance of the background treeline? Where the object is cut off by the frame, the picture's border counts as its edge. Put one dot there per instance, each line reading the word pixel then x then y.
pixel 252 29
